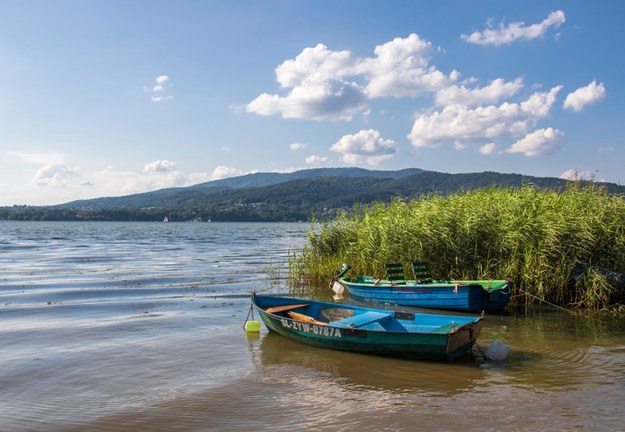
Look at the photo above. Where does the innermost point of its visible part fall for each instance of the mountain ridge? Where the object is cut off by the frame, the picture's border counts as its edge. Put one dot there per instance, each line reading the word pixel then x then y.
pixel 253 180
pixel 271 197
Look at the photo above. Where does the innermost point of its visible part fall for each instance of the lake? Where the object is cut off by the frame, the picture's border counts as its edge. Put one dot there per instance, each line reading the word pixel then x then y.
pixel 139 326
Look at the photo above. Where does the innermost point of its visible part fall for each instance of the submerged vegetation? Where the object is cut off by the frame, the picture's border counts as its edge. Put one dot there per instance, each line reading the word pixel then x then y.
pixel 566 247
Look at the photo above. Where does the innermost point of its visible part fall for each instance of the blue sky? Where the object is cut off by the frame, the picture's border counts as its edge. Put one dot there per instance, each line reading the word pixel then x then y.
pixel 109 98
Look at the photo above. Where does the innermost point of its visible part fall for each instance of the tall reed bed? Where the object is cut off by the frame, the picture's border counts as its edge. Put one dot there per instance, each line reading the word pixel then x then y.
pixel 535 237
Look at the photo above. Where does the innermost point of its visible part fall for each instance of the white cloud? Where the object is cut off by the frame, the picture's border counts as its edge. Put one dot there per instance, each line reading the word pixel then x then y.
pixel 224 171
pixel 314 63
pixel 400 69
pixel 331 85
pixel 515 31
pixel 537 143
pixel 492 93
pixel 159 89
pixel 539 104
pixel 573 174
pixel 318 99
pixel 52 171
pixel 489 148
pixel 161 98
pixel 110 182
pixel 160 166
pixel 464 125
pixel 583 96
pixel 160 83
pixel 54 181
pixel 365 146
pixel 319 90
pixel 315 160
pixel 297 146
pixel 55 175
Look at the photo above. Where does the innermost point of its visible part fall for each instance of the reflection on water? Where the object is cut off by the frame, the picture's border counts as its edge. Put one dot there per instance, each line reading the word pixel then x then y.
pixel 558 350
pixel 132 326
pixel 359 371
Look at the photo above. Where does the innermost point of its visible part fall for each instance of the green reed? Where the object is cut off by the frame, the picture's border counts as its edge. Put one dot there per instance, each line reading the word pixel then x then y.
pixel 535 237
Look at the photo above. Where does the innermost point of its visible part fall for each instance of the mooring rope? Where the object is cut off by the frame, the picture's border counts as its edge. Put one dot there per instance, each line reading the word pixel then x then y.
pixel 594 318
pixel 251 311
pixel 545 301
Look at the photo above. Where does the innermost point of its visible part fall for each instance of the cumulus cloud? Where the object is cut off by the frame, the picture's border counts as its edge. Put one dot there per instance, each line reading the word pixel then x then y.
pixel 112 182
pixel 297 146
pixel 54 175
pixel 573 174
pixel 160 166
pixel 318 99
pixel 159 83
pixel 323 84
pixel 224 171
pixel 489 148
pixel 317 61
pixel 54 181
pixel 319 90
pixel 401 69
pixel 315 160
pixel 159 88
pixel 537 143
pixel 494 92
pixel 333 85
pixel 53 170
pixel 460 124
pixel 583 96
pixel 514 31
pixel 365 146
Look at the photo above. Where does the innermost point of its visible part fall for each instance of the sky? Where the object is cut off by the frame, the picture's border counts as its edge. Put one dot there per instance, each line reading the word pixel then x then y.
pixel 111 97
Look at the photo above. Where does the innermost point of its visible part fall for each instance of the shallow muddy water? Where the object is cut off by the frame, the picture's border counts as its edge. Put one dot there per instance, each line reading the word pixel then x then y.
pixel 139 326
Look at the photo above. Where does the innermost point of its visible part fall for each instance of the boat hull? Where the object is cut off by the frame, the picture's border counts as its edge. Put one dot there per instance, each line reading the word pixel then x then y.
pixel 445 338
pixel 467 296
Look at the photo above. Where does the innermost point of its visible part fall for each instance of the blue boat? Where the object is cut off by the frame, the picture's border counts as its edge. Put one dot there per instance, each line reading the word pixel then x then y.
pixel 366 330
pixel 459 295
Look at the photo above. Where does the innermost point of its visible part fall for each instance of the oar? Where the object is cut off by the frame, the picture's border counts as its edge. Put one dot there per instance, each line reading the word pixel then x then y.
pixel 304 318
pixel 276 309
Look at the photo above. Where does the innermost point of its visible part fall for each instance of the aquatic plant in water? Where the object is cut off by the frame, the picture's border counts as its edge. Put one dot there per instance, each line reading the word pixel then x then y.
pixel 538 238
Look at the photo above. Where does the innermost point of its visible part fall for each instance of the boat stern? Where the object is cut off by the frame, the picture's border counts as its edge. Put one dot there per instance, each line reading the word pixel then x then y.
pixel 461 340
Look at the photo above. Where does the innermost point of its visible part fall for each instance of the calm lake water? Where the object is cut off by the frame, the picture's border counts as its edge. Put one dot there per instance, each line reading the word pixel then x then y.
pixel 139 326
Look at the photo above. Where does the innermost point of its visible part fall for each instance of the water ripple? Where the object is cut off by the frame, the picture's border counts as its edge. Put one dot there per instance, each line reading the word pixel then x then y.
pixel 133 326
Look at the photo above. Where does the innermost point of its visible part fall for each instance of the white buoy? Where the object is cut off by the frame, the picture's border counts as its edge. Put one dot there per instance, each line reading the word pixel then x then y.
pixel 497 351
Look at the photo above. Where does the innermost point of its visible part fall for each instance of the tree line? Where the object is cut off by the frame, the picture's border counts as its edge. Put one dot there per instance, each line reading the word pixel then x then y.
pixel 297 200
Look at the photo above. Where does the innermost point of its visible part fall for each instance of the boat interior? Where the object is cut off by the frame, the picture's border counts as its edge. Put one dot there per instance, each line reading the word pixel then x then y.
pixel 394 321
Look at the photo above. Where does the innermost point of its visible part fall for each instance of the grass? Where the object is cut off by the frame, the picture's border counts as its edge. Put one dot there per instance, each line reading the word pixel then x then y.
pixel 535 237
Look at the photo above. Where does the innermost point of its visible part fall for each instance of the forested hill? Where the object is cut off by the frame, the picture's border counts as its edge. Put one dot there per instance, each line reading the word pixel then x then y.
pixel 250 183
pixel 279 197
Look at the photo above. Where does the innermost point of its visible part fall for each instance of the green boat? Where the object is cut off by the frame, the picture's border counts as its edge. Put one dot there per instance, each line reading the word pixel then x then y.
pixel 366 330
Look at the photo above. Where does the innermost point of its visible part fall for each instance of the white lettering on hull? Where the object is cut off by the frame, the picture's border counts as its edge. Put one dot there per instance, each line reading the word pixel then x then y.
pixel 312 328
